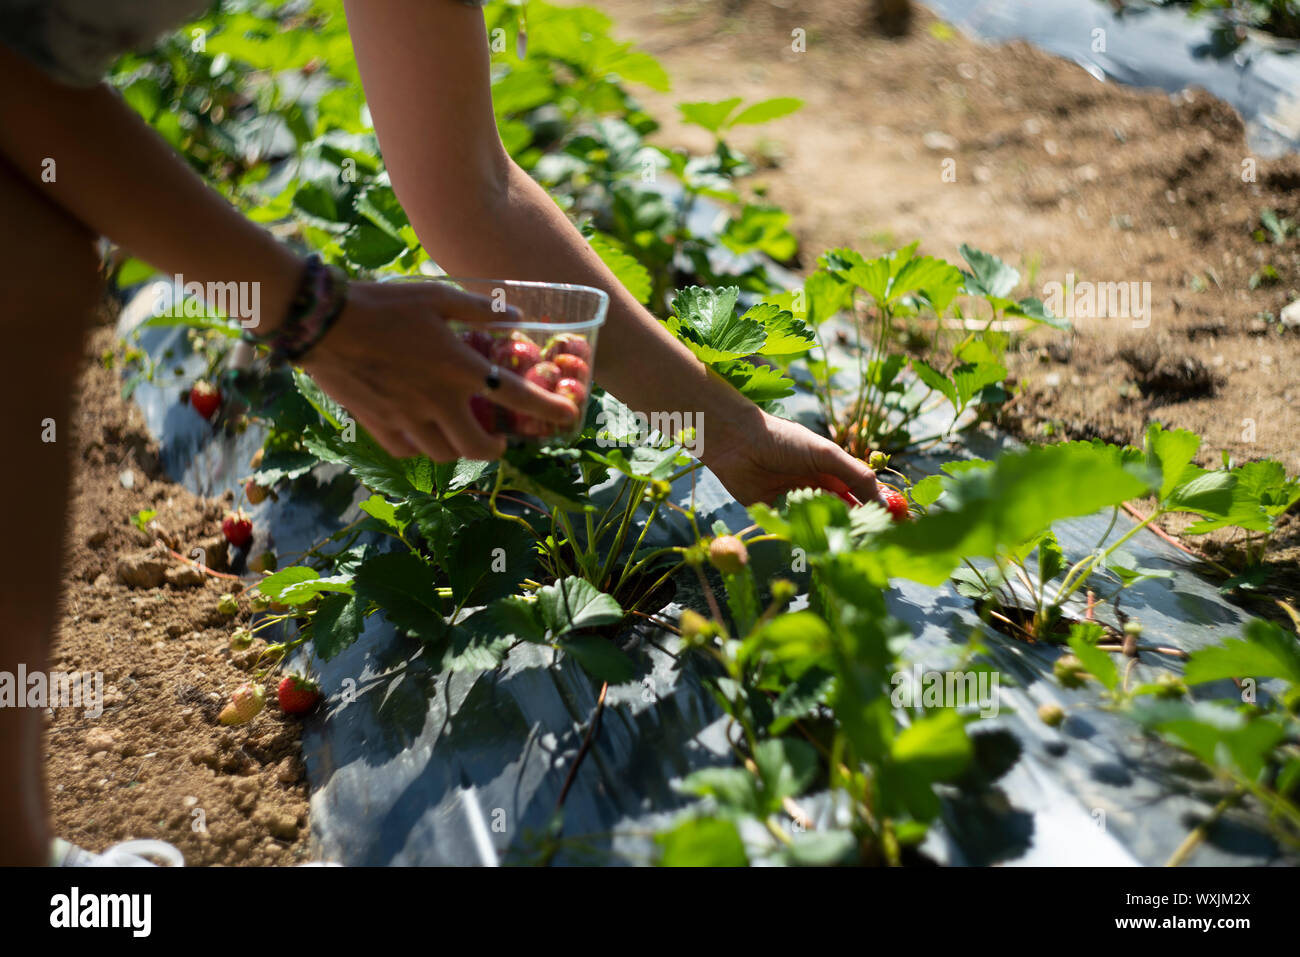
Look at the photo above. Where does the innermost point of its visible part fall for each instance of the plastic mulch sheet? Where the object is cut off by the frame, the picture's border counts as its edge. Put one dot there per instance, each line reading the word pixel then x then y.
pixel 1153 47
pixel 410 766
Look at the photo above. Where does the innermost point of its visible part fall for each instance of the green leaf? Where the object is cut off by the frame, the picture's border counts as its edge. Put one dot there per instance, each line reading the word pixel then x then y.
pixel 927 491
pixel 1034 309
pixel 989 275
pixel 600 658
pixel 996 506
pixel 786 766
pixel 757 383
pixel 336 623
pixel 302 592
pixel 702 842
pixel 935 747
pixel 516 617
pixel 734 789
pixel 210 323
pixel 1172 452
pixel 822 848
pixel 800 699
pixel 273 585
pixel 380 508
pixel 1083 642
pixel 1050 558
pixel 625 267
pixel 972 379
pixel 765 111
pixel 404 585
pixel 573 603
pixel 489 559
pixel 1265 651
pixel 786 335
pixel 710 115
pixel 706 320
pixel 936 380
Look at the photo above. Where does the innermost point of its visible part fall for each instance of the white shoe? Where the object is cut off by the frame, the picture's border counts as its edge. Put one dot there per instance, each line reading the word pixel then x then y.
pixel 126 854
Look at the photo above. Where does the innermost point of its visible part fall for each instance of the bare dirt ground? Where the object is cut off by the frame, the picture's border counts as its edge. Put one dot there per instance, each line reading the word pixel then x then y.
pixel 1055 172
pixel 156 763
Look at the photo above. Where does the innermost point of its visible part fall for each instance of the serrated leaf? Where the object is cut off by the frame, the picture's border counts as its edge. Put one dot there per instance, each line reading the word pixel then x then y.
pixel 989 275
pixel 706 320
pixel 625 267
pixel 702 842
pixel 336 624
pixel 573 603
pixel 1264 651
pixel 599 658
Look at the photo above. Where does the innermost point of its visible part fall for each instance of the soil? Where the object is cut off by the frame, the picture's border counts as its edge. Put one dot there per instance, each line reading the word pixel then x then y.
pixel 157 764
pixel 1056 173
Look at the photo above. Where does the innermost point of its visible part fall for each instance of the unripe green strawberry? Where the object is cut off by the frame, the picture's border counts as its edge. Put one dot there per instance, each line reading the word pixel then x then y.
pixel 783 590
pixel 728 554
pixel 878 461
pixel 1170 686
pixel 245 704
pixel 1069 671
pixel 1051 714
pixel 1133 627
pixel 227 604
pixel 241 639
pixel 263 562
pixel 259 602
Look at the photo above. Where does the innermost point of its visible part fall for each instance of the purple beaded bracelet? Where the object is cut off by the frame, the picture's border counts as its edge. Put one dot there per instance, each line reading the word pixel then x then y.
pixel 316 306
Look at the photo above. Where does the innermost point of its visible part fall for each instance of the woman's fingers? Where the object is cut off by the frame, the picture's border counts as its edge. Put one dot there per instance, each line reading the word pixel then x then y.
pixel 859 479
pixel 452 303
pixel 469 438
pixel 519 394
pixel 429 438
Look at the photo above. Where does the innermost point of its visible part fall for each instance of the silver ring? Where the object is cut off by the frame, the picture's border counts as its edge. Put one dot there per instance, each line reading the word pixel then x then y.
pixel 493 378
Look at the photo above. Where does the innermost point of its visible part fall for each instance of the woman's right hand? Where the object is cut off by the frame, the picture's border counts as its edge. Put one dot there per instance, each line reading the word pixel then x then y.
pixel 392 361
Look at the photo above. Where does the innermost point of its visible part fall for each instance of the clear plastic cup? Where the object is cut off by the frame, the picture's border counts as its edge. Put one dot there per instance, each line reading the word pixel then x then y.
pixel 553 344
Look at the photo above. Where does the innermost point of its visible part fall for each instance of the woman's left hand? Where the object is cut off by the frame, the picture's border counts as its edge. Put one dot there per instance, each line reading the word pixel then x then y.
pixel 773 455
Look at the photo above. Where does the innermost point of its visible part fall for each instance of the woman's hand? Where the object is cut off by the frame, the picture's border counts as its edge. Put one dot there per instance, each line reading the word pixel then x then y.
pixel 392 361
pixel 766 456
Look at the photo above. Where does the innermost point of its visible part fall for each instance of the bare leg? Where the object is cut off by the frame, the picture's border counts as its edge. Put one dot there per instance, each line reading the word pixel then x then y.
pixel 48 291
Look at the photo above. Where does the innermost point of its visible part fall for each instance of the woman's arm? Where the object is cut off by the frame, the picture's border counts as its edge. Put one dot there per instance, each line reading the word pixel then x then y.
pixel 426 69
pixel 92 155
pixel 389 359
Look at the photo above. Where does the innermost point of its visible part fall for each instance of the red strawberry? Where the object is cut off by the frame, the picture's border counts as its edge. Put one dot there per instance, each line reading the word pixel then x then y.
pixel 518 353
pixel 572 389
pixel 569 343
pixel 297 695
pixel 245 705
pixel 485 413
pixel 237 528
pixel 255 493
pixel 573 367
pixel 478 340
pixel 545 374
pixel 896 504
pixel 205 398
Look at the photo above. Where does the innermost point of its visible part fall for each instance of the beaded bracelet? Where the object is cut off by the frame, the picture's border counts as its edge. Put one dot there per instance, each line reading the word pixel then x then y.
pixel 321 296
